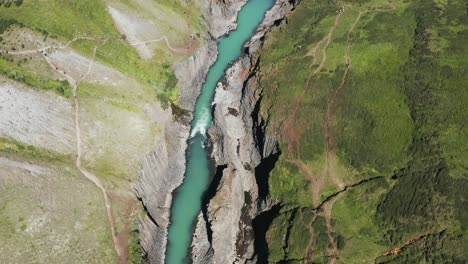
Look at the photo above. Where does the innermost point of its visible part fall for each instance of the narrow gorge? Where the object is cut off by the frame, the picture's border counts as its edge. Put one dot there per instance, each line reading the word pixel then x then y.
pixel 223 230
pixel 233 131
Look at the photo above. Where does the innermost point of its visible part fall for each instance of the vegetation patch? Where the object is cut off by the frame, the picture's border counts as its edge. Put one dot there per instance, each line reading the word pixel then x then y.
pixel 424 198
pixel 136 255
pixel 387 99
pixel 34 81
pixel 15 149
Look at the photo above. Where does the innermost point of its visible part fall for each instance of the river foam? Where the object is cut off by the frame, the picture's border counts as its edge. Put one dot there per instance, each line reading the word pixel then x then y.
pixel 187 202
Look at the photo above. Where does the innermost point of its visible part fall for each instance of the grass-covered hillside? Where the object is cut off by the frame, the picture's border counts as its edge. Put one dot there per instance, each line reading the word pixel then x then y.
pixel 84 85
pixel 367 99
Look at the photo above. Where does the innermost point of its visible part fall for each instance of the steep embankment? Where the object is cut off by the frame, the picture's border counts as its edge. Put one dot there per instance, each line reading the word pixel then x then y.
pixel 225 230
pixel 227 234
pixel 163 170
pixel 71 63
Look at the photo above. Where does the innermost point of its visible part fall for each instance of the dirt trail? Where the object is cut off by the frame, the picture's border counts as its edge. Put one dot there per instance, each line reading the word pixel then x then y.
pixel 329 169
pixel 44 49
pixel 397 250
pixel 328 135
pixel 24 52
pixel 292 135
pixel 329 144
pixel 120 240
pixel 290 130
pixel 120 249
pixel 315 183
pixel 312 241
pixel 333 252
pixel 189 49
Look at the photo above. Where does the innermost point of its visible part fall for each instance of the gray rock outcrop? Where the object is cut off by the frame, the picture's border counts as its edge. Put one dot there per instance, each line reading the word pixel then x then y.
pixel 222 15
pixel 237 147
pixel 227 235
pixel 163 170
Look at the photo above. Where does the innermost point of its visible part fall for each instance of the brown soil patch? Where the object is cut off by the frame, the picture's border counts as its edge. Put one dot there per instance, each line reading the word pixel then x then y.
pixel 290 130
pixel 397 250
pixel 126 219
pixel 191 45
pixel 333 251
pixel 312 242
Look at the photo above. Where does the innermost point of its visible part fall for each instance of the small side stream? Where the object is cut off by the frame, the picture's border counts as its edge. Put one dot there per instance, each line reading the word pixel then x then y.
pixel 188 197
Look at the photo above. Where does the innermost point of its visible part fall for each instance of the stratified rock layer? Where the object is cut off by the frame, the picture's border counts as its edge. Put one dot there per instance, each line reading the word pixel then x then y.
pixel 238 148
pixel 163 170
pixel 227 237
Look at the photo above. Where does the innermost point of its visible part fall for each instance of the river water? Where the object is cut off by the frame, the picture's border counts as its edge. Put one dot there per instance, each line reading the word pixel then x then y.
pixel 188 197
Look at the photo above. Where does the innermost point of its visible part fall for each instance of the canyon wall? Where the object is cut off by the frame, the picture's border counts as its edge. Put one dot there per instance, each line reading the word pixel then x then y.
pixel 224 232
pixel 163 169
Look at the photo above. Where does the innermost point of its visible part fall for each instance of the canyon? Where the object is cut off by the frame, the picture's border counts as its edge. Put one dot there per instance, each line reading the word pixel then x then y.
pixel 224 230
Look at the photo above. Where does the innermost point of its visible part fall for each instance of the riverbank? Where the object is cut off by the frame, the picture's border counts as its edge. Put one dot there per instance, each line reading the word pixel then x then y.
pixel 159 177
pixel 163 170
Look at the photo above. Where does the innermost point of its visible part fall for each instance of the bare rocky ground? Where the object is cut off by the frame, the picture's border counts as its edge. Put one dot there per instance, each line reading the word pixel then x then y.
pixel 76 66
pixel 136 30
pixel 152 29
pixel 36 118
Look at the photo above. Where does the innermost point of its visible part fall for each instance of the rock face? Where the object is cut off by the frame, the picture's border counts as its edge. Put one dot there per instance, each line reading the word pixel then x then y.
pixel 224 234
pixel 226 10
pixel 239 147
pixel 36 118
pixel 163 170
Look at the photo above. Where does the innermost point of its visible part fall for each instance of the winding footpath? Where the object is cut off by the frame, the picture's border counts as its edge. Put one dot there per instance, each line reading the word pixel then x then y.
pixel 120 248
pixel 178 51
pixel 120 242
pixel 293 137
pixel 156 40
pixel 46 48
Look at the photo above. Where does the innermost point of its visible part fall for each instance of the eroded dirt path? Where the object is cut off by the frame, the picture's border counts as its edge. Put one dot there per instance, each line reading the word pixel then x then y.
pixel 292 135
pixel 120 248
pixel 290 131
pixel 328 135
pixel 46 48
pixel 312 241
pixel 187 50
pixel 397 250
pixel 333 251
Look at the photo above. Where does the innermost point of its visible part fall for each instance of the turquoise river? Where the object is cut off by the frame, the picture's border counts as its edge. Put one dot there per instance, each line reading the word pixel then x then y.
pixel 187 201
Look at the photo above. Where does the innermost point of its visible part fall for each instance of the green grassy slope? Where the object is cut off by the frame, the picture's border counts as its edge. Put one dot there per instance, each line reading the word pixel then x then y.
pixel 66 20
pixel 118 122
pixel 397 111
pixel 34 216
